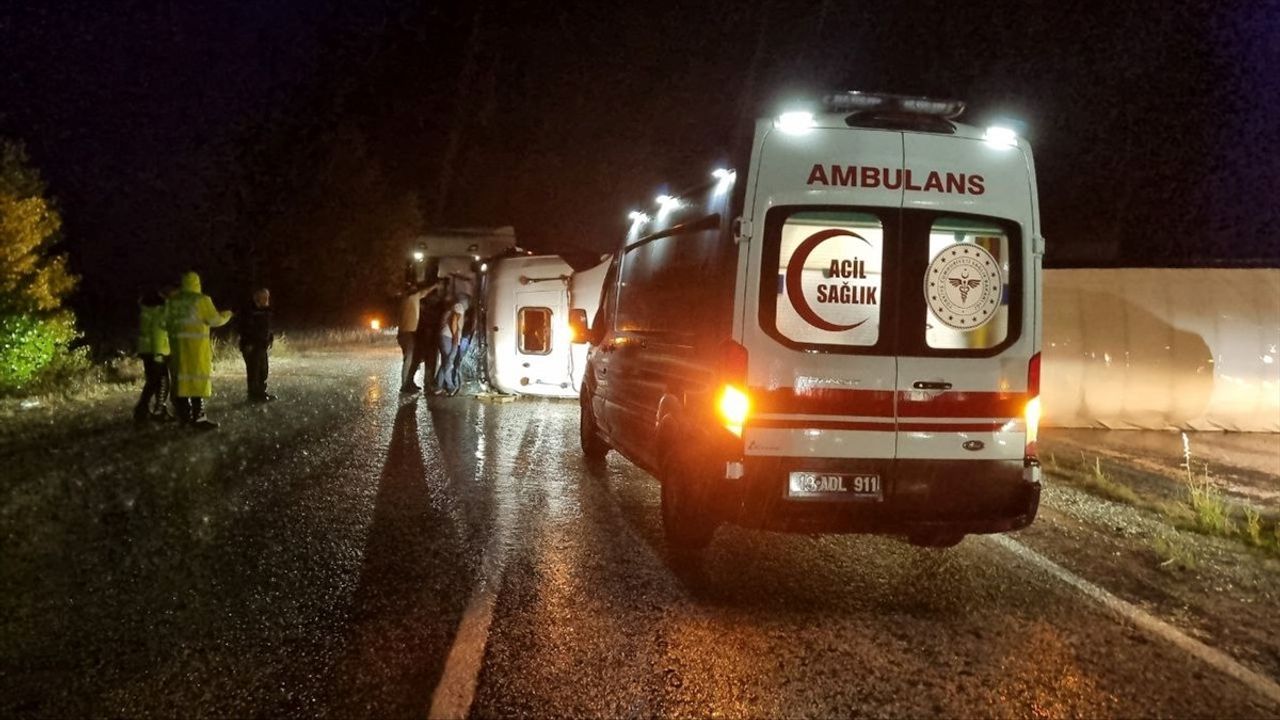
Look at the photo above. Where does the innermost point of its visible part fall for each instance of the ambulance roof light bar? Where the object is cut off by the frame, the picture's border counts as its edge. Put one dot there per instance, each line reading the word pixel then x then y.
pixel 854 101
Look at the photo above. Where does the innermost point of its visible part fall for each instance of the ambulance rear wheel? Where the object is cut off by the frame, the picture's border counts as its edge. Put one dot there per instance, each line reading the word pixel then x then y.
pixel 593 448
pixel 688 520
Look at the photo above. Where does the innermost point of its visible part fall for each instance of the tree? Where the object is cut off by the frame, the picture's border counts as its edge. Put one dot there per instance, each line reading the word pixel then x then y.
pixel 34 281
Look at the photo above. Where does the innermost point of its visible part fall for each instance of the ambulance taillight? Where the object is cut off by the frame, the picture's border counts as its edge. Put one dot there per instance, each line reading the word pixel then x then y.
pixel 733 402
pixel 1033 410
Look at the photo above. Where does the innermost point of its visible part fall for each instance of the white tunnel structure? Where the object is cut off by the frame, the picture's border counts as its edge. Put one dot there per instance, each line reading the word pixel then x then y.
pixel 1162 349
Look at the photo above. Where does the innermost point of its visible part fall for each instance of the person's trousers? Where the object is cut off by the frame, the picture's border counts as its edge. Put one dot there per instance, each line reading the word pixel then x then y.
pixel 173 382
pixel 464 344
pixel 256 367
pixel 409 365
pixel 446 380
pixel 155 388
pixel 426 356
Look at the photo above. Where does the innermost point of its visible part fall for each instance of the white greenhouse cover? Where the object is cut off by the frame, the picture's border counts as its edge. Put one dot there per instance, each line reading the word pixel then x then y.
pixel 1188 349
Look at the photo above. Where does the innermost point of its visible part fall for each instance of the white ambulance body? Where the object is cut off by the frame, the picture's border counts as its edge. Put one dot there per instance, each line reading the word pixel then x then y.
pixel 528 302
pixel 844 337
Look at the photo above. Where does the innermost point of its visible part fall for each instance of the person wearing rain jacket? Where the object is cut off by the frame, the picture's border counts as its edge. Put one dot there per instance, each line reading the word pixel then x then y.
pixel 190 315
pixel 153 348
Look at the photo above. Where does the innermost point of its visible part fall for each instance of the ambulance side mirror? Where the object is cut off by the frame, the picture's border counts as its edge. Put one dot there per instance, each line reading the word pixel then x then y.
pixel 578 331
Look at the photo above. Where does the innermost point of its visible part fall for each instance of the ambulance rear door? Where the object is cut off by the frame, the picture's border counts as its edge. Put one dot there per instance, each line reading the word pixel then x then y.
pixel 967 321
pixel 820 289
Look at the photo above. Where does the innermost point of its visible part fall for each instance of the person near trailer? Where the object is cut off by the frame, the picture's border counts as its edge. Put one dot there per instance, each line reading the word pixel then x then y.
pixel 450 336
pixel 427 352
pixel 410 315
pixel 465 338
pixel 153 350
pixel 191 314
pixel 256 340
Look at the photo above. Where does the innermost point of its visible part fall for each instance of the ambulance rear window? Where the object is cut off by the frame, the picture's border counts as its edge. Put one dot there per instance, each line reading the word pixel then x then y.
pixel 826 287
pixel 967 284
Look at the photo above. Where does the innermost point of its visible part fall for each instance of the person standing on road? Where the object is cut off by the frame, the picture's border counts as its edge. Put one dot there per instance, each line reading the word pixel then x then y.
pixel 153 348
pixel 426 351
pixel 410 312
pixel 191 314
pixel 256 339
pixel 170 292
pixel 450 334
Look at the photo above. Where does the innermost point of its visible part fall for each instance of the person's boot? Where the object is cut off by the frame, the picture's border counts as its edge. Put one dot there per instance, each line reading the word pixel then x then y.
pixel 183 407
pixel 197 415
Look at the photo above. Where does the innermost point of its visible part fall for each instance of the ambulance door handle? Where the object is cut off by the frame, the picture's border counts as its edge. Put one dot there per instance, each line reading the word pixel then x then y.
pixel 930 385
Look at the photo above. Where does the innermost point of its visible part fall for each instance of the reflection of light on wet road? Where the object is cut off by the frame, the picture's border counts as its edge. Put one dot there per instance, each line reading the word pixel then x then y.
pixel 1041 676
pixel 455 691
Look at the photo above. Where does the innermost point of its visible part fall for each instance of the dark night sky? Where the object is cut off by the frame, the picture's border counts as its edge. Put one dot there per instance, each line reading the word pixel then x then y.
pixel 1154 123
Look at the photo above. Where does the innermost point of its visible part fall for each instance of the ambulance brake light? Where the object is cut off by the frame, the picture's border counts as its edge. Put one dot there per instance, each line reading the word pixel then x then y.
pixel 1031 453
pixel 733 406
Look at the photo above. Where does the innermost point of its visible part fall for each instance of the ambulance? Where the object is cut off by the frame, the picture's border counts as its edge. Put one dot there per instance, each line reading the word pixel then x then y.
pixel 841 335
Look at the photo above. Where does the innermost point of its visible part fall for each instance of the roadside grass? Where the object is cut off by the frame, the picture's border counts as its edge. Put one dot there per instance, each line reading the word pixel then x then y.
pixel 1200 506
pixel 75 375
pixel 293 343
pixel 1174 554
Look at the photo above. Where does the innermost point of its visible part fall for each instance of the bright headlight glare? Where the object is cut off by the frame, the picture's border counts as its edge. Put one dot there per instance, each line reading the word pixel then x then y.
pixel 795 122
pixel 1000 135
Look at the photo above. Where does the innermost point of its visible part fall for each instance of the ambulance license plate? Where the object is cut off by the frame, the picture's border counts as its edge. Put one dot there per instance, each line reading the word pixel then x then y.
pixel 834 486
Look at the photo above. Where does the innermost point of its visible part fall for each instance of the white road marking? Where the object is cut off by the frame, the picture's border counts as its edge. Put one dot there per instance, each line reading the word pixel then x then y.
pixel 1145 621
pixel 452 697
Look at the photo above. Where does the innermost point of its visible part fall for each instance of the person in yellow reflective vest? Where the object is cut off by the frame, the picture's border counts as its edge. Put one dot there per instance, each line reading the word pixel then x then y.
pixel 153 349
pixel 190 314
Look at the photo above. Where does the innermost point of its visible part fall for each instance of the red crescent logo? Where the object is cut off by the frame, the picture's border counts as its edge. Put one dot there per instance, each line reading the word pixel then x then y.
pixel 795 269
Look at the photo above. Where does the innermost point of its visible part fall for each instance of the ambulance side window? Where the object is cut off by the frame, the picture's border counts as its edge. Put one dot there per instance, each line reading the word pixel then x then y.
pixel 968 284
pixel 678 284
pixel 608 300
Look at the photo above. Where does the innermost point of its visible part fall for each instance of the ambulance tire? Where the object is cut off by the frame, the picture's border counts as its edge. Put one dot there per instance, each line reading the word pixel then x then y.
pixel 593 447
pixel 688 518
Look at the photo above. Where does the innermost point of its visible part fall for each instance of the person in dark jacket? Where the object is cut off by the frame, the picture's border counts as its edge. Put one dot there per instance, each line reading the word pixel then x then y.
pixel 427 351
pixel 256 339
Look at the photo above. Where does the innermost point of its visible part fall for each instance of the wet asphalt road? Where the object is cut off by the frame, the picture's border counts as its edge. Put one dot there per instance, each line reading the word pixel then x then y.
pixel 317 557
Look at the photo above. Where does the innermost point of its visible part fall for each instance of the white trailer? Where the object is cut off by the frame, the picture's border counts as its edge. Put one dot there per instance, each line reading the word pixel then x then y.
pixel 528 302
